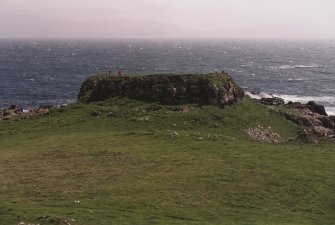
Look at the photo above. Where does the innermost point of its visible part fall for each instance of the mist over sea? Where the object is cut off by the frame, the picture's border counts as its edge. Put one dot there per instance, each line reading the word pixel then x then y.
pixel 34 72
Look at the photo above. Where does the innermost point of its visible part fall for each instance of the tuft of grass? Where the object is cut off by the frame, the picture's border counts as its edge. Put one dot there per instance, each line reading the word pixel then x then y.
pixel 98 163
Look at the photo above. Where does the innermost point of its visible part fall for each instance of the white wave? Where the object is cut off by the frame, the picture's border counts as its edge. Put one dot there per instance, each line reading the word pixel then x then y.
pixel 330 111
pixel 296 79
pixel 282 67
pixel 258 95
pixel 307 66
pixel 305 99
pixel 285 67
pixel 160 69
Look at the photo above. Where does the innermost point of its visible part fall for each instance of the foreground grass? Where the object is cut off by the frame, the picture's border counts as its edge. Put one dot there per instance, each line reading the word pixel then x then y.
pixel 128 162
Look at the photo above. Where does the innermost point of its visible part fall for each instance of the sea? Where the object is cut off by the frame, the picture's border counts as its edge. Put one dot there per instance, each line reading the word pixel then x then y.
pixel 36 72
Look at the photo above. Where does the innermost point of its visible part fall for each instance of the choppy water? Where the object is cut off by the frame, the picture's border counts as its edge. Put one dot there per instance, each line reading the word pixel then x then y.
pixel 34 72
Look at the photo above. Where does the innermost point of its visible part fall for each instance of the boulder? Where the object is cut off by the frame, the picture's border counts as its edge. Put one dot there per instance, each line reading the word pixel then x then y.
pixel 327 121
pixel 46 106
pixel 315 108
pixel 298 119
pixel 295 105
pixel 321 131
pixel 272 101
pixel 307 136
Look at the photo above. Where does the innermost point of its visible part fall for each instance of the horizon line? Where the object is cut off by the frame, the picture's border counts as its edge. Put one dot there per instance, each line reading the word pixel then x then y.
pixel 173 38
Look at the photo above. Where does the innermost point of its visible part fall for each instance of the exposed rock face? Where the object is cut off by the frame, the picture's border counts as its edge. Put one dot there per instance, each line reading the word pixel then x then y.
pixel 315 116
pixel 315 108
pixel 310 107
pixel 214 89
pixel 264 134
pixel 309 115
pixel 272 101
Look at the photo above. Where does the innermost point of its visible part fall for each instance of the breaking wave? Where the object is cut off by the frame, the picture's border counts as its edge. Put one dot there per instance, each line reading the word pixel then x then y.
pixel 305 99
pixel 285 67
pixel 258 95
pixel 307 66
pixel 330 111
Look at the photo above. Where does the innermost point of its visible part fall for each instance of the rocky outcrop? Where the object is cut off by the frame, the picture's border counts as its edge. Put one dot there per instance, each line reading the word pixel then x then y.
pixel 17 112
pixel 310 107
pixel 271 101
pixel 311 115
pixel 314 116
pixel 210 89
pixel 264 134
pixel 315 108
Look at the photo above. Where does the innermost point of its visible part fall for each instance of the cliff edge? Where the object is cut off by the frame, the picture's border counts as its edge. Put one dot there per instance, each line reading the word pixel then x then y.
pixel 207 89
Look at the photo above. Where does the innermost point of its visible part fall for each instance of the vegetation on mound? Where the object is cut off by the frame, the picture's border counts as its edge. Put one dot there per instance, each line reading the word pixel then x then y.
pixel 122 161
pixel 206 89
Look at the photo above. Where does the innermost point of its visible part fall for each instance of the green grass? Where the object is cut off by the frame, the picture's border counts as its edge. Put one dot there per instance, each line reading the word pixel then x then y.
pixel 127 171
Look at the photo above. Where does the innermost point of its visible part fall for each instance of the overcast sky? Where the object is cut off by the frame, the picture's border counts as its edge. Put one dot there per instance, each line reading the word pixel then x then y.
pixel 167 18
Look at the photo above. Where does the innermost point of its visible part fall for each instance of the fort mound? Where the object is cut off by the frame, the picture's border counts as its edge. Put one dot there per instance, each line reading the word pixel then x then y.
pixel 205 89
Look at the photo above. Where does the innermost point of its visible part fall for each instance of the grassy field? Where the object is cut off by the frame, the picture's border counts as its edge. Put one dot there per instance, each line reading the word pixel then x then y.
pixel 125 162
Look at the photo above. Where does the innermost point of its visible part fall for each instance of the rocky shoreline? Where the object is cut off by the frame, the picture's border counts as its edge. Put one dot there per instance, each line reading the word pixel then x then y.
pixel 217 89
pixel 310 115
pixel 17 112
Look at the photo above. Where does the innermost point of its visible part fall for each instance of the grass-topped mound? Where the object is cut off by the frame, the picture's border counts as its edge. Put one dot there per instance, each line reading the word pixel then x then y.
pixel 122 161
pixel 205 89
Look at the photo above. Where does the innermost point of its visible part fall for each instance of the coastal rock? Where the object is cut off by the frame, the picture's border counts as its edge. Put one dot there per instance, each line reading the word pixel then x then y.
pixel 15 111
pixel 46 106
pixel 309 108
pixel 307 136
pixel 327 121
pixel 210 89
pixel 310 115
pixel 315 108
pixel 272 101
pixel 321 131
pixel 322 126
pixel 298 119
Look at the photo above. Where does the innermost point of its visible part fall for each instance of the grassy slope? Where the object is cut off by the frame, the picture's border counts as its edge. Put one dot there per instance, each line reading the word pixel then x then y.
pixel 126 171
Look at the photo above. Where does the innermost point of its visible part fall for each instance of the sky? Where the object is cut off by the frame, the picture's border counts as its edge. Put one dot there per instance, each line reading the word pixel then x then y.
pixel 241 19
